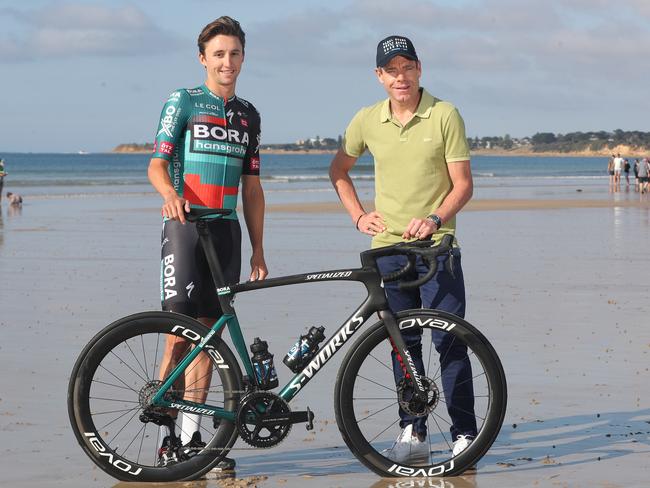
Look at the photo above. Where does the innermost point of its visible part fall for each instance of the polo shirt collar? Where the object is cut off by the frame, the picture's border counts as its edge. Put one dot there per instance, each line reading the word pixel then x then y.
pixel 423 110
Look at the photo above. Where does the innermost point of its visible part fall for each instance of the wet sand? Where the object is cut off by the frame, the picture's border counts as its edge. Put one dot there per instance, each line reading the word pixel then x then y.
pixel 562 290
pixel 482 205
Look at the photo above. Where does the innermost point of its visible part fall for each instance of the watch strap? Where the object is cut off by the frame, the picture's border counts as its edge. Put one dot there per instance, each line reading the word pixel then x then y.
pixel 436 220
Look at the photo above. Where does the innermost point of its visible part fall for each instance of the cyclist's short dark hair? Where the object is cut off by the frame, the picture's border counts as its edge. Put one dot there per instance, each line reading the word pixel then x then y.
pixel 224 25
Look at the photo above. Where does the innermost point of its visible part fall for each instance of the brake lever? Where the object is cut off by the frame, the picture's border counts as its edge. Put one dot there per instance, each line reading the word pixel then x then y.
pixel 450 267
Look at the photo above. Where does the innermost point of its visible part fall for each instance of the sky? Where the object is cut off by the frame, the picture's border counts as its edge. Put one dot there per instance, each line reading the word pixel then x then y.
pixel 89 75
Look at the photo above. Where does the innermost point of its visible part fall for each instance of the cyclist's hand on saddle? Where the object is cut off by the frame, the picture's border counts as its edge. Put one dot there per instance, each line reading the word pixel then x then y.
pixel 419 229
pixel 371 223
pixel 175 207
pixel 258 267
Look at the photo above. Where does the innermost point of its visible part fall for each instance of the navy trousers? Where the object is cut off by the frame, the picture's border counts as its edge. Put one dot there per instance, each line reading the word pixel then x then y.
pixel 442 292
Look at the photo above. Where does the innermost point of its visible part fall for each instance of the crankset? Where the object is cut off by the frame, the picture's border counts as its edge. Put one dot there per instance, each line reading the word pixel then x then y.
pixel 264 419
pixel 410 404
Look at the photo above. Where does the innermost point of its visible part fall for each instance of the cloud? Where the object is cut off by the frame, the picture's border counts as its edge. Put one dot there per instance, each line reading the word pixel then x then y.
pixel 312 37
pixel 534 38
pixel 544 61
pixel 70 29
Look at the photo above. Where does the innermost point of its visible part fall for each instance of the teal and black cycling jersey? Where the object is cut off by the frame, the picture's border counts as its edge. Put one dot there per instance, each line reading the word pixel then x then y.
pixel 210 142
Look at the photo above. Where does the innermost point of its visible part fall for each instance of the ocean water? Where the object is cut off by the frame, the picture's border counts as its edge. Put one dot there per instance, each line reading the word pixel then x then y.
pixel 298 177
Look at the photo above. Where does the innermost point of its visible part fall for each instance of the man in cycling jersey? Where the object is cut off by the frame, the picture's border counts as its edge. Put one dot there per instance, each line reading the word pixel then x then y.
pixel 206 143
pixel 422 180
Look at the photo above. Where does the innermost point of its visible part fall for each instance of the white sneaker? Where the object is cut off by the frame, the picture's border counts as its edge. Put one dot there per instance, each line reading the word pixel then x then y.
pixel 461 443
pixel 408 448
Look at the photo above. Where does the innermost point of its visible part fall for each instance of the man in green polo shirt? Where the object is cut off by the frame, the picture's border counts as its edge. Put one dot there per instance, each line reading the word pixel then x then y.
pixel 422 180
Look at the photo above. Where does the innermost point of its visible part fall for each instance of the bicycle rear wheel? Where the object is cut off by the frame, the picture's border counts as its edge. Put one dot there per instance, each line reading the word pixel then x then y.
pixel 117 374
pixel 366 398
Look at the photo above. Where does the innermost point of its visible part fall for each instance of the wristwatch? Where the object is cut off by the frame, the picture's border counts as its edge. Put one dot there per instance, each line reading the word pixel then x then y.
pixel 436 220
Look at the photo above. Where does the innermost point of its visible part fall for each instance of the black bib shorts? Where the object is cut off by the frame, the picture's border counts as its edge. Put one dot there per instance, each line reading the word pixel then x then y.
pixel 186 285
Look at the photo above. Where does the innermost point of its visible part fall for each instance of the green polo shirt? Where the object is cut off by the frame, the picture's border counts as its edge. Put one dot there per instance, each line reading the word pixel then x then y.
pixel 411 176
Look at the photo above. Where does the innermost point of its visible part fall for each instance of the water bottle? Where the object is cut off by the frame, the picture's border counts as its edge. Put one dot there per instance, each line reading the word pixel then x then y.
pixel 263 365
pixel 304 349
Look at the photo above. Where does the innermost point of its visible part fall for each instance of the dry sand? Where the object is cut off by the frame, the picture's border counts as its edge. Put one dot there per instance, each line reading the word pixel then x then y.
pixel 561 290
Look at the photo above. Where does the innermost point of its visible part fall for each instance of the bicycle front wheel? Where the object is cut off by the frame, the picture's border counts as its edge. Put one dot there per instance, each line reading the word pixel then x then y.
pixel 368 396
pixel 114 380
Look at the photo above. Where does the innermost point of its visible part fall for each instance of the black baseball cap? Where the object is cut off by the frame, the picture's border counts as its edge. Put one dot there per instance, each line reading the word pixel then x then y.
pixel 393 46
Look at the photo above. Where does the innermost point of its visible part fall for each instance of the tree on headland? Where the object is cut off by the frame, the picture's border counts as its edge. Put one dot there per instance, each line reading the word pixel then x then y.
pixel 507 142
pixel 597 141
pixel 544 138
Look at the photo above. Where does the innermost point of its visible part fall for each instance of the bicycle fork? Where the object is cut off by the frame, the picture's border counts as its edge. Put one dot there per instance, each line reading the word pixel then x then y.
pixel 419 391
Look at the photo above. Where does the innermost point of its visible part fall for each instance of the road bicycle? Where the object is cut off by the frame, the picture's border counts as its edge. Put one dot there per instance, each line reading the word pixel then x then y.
pixel 117 401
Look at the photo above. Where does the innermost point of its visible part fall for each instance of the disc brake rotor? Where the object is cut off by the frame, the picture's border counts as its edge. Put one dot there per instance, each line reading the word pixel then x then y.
pixel 413 406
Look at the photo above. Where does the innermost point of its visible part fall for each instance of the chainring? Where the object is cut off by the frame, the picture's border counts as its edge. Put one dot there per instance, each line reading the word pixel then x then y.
pixel 254 411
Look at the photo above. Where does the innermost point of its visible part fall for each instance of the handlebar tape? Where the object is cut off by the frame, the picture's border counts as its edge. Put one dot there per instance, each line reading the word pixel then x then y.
pixel 395 275
pixel 429 256
pixel 196 213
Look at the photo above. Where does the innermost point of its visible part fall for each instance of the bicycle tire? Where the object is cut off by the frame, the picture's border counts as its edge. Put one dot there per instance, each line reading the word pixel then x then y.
pixel 110 373
pixel 360 373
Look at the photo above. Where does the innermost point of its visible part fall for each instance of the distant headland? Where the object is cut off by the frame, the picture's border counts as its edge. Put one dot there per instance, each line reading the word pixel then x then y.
pixel 600 143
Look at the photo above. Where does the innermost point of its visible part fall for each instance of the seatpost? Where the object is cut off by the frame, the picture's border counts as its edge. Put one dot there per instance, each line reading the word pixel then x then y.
pixel 207 241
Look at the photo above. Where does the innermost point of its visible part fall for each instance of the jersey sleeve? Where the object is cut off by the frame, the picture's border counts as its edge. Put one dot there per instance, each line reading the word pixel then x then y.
pixel 251 163
pixel 456 146
pixel 353 142
pixel 171 125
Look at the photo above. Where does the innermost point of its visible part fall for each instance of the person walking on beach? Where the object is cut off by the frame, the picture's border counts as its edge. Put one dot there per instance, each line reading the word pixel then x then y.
pixel 610 170
pixel 636 174
pixel 2 176
pixel 422 180
pixel 211 138
pixel 618 167
pixel 626 170
pixel 644 175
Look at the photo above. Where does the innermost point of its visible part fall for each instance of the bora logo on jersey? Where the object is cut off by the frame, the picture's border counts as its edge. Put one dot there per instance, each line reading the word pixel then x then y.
pixel 209 134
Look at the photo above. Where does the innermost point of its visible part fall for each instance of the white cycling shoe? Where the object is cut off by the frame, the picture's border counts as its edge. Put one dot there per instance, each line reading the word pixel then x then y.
pixel 461 443
pixel 408 448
